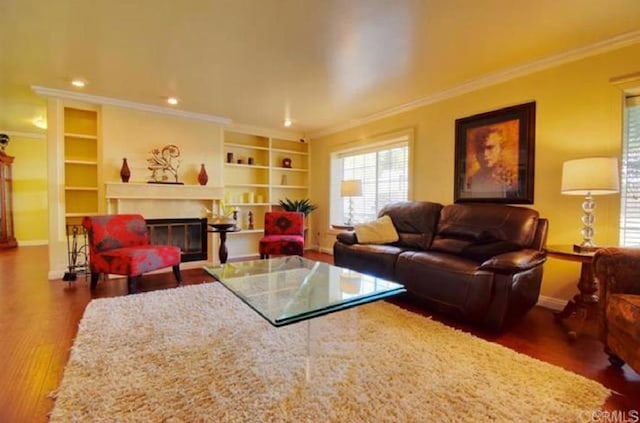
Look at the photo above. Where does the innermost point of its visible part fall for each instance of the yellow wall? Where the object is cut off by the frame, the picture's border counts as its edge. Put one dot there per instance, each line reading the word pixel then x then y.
pixel 132 134
pixel 579 114
pixel 29 189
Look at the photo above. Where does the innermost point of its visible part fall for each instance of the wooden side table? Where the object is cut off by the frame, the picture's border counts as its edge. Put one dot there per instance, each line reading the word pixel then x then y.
pixel 223 254
pixel 584 305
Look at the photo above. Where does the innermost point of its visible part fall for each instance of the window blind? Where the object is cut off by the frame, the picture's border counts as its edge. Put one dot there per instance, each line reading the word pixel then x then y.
pixel 630 176
pixel 384 174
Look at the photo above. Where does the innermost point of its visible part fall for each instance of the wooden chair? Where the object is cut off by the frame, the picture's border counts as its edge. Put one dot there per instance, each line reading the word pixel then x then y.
pixel 283 234
pixel 119 244
pixel 618 272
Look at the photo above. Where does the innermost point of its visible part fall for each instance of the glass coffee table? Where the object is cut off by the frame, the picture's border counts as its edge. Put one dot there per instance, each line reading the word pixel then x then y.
pixel 291 289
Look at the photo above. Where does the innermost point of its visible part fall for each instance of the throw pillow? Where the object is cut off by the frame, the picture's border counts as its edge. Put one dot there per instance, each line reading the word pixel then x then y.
pixel 380 231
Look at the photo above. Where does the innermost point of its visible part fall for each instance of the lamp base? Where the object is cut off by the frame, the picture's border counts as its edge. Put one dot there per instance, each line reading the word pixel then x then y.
pixel 578 248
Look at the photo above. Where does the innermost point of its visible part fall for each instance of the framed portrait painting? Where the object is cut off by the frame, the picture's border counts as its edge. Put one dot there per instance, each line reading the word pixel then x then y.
pixel 494 157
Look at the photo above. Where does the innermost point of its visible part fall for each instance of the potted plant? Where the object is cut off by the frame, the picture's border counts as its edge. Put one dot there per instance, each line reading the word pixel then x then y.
pixel 305 206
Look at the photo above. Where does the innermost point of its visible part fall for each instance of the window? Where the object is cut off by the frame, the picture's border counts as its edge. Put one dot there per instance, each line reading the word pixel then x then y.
pixel 383 169
pixel 630 177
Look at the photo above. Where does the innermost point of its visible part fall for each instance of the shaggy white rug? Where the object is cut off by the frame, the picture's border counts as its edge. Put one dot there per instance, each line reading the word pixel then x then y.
pixel 200 354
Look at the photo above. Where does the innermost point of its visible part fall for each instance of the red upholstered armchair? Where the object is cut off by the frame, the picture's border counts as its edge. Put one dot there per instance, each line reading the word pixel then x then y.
pixel 283 234
pixel 119 244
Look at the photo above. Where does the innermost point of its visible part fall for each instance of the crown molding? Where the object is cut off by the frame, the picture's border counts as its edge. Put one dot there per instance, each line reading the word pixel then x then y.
pixel 265 132
pixel 488 80
pixel 33 135
pixel 95 99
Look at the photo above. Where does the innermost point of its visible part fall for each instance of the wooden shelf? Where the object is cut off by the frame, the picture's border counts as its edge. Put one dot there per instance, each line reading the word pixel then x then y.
pixel 80 188
pixel 289 169
pixel 248 185
pixel 248 147
pixel 81 162
pixel 289 186
pixel 282 150
pixel 81 214
pixel 246 166
pixel 83 136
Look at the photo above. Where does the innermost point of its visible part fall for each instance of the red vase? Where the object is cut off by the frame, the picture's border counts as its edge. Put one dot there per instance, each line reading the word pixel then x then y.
pixel 203 178
pixel 125 173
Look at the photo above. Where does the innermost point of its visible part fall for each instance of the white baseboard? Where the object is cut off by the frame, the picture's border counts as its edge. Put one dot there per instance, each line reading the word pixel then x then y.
pixel 326 250
pixel 33 242
pixel 551 303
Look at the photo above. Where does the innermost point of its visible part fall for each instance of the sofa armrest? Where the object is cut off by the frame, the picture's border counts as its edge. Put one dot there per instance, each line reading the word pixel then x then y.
pixel 515 261
pixel 348 238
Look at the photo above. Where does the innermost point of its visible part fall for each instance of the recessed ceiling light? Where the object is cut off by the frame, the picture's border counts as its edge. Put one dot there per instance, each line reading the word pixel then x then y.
pixel 172 100
pixel 287 122
pixel 78 83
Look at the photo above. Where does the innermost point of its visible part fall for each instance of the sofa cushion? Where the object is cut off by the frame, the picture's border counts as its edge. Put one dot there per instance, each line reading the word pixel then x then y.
pixel 372 259
pixel 484 223
pixel 448 281
pixel 415 222
pixel 379 231
pixel 478 251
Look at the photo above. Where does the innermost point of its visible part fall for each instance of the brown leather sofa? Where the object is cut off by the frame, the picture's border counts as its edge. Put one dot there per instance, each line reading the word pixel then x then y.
pixel 480 262
pixel 618 271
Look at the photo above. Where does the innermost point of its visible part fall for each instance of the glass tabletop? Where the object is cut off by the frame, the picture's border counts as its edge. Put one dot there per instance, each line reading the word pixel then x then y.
pixel 289 289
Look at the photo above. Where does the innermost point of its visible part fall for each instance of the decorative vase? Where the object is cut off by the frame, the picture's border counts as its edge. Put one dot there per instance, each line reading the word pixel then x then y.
pixel 125 173
pixel 203 178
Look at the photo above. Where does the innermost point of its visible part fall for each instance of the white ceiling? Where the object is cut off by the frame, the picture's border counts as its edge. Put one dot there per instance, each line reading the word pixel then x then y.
pixel 320 62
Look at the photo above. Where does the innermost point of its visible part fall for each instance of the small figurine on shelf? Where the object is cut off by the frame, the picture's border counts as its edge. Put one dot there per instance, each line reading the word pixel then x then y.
pixel 250 226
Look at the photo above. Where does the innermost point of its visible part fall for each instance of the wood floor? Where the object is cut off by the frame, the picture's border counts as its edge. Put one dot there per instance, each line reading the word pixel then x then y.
pixel 39 320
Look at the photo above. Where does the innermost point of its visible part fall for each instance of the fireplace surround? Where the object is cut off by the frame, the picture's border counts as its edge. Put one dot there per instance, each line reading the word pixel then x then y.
pixel 189 234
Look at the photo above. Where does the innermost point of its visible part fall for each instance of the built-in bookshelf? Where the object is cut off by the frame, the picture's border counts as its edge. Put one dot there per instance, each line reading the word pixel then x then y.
pixel 81 164
pixel 260 171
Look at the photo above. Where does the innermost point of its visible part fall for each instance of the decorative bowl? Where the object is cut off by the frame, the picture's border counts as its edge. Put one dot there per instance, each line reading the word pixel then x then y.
pixel 222 222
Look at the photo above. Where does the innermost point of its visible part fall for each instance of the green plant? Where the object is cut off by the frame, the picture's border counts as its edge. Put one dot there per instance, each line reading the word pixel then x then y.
pixel 303 206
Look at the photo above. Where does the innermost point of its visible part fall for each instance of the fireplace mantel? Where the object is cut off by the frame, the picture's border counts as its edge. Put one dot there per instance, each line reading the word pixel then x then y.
pixel 157 201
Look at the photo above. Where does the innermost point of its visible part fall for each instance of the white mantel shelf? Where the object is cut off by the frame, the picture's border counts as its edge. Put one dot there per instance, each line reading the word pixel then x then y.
pixel 142 191
pixel 161 201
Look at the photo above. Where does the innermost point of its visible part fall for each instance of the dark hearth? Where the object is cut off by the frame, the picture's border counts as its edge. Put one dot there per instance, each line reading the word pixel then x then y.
pixel 188 234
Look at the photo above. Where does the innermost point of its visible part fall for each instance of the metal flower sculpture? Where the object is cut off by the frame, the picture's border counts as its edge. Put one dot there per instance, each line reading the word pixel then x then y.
pixel 164 163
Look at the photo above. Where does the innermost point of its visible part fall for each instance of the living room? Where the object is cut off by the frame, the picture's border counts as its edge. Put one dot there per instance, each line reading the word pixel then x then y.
pixel 577 70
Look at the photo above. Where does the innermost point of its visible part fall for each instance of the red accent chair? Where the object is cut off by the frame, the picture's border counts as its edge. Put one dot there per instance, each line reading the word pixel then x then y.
pixel 283 234
pixel 119 244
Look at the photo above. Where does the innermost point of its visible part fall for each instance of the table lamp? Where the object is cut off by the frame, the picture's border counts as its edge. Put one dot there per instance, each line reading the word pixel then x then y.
pixel 589 177
pixel 350 188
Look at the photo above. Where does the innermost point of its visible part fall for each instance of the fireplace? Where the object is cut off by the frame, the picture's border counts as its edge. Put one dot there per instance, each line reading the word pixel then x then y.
pixel 188 234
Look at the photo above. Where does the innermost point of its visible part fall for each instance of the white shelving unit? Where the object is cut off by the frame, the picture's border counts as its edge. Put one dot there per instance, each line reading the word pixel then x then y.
pixel 258 187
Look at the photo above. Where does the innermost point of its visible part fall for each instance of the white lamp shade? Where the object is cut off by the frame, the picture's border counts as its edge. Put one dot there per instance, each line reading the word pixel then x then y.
pixel 595 176
pixel 351 188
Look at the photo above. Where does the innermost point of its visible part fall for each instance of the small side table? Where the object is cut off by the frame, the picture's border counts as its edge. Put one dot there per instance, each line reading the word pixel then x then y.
pixel 584 305
pixel 222 251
